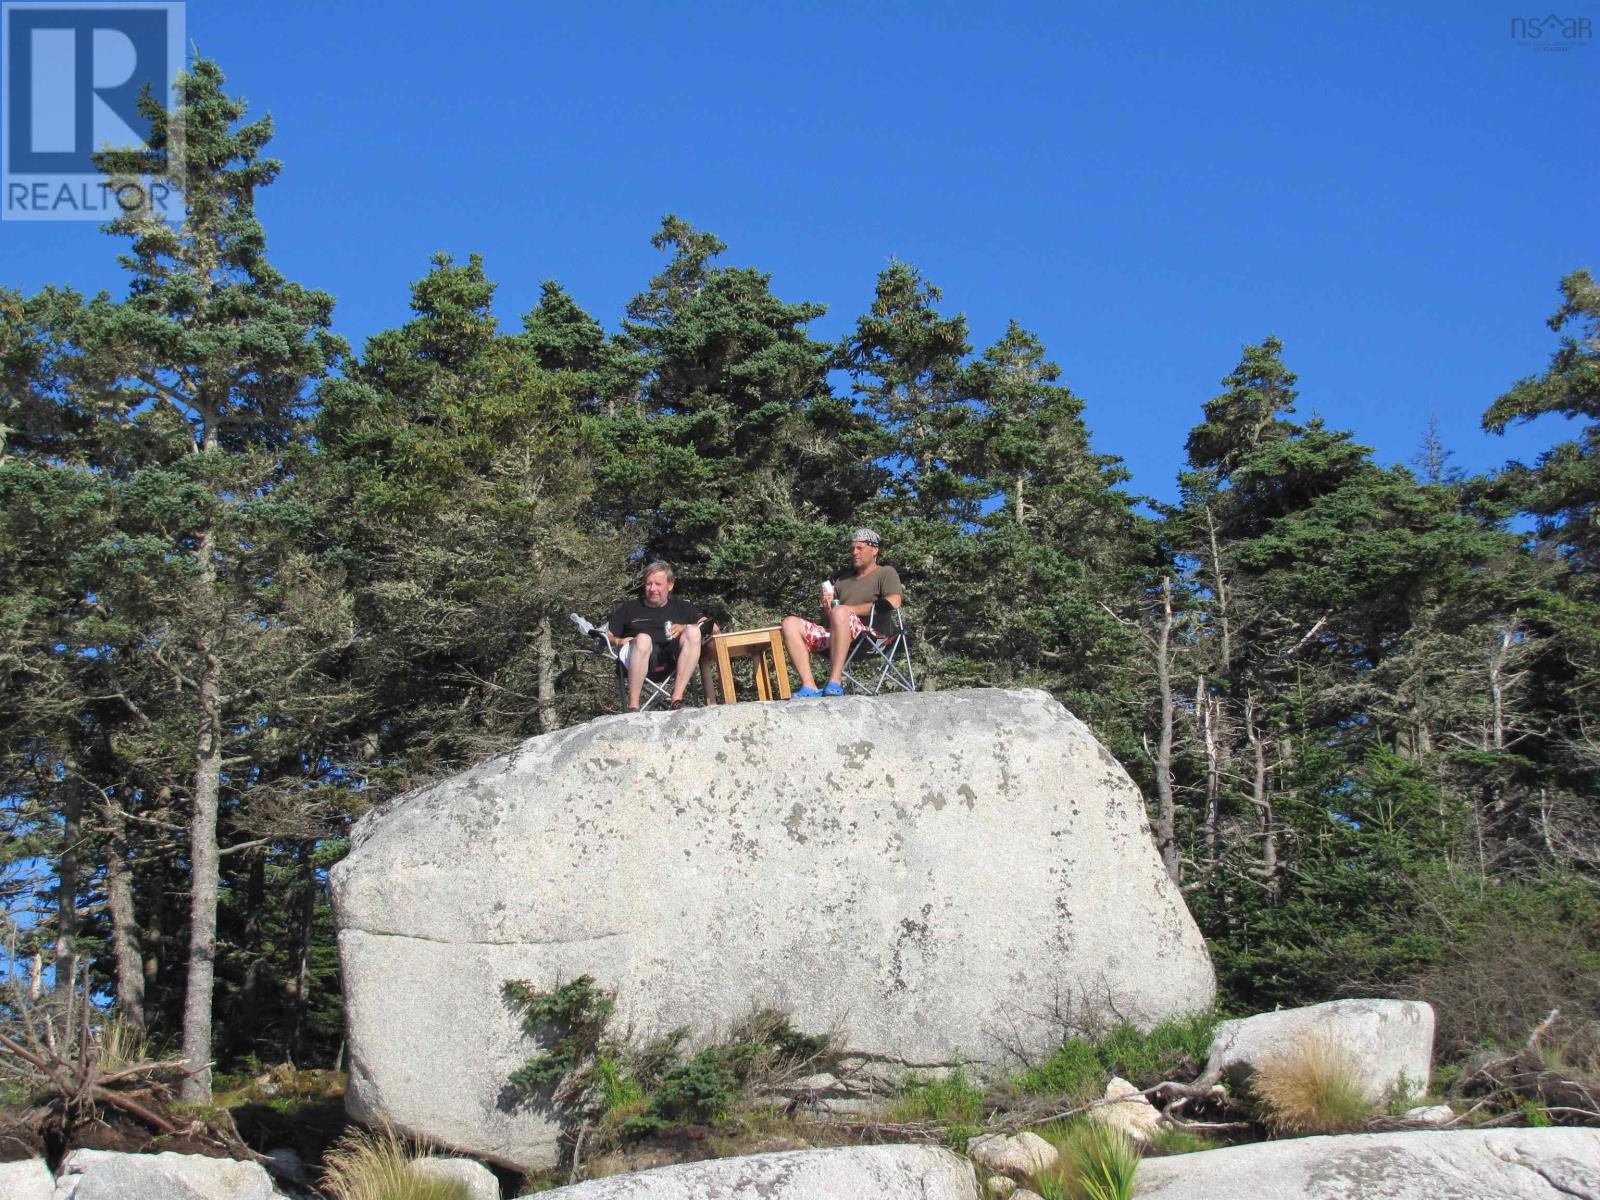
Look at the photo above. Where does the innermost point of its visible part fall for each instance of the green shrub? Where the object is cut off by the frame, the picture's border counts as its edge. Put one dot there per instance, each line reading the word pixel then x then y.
pixel 770 1028
pixel 697 1092
pixel 1169 1139
pixel 1512 951
pixel 1081 1066
pixel 633 1092
pixel 1075 1070
pixel 1405 1095
pixel 951 1100
pixel 576 1013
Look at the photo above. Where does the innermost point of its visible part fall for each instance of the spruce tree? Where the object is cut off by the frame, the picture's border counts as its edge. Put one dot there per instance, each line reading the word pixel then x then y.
pixel 200 377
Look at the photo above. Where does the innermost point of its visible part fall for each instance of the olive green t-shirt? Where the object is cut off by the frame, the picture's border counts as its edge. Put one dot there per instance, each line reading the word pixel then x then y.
pixel 882 581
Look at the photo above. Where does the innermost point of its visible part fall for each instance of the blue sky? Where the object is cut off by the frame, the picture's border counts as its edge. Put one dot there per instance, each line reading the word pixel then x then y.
pixel 1394 191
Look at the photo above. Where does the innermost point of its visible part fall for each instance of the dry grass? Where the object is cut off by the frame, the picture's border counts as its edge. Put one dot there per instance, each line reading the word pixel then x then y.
pixel 121 1045
pixel 1311 1087
pixel 377 1166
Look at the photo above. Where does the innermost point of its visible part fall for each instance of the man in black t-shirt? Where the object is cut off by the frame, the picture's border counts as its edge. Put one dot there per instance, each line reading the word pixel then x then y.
pixel 654 630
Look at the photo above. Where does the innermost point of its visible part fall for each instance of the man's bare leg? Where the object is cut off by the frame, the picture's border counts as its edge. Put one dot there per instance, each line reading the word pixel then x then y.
pixel 688 656
pixel 638 665
pixel 839 649
pixel 795 643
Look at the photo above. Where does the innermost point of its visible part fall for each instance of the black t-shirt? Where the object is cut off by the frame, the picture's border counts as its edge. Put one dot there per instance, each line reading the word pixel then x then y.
pixel 635 616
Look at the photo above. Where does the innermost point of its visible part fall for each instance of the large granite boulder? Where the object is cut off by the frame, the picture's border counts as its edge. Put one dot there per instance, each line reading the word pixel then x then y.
pixel 935 877
pixel 1388 1043
pixel 841 1173
pixel 1478 1164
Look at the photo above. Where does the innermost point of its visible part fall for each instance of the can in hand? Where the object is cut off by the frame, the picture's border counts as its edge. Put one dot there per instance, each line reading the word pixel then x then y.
pixel 827 593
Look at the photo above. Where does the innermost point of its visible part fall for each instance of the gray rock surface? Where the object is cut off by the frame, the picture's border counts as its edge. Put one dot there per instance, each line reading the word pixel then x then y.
pixel 29 1179
pixel 1022 1154
pixel 841 1173
pixel 107 1175
pixel 833 859
pixel 1385 1040
pixel 475 1177
pixel 1130 1113
pixel 1484 1164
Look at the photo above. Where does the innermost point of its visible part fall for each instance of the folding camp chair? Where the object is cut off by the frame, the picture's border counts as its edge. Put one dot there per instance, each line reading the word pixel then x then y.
pixel 658 680
pixel 881 657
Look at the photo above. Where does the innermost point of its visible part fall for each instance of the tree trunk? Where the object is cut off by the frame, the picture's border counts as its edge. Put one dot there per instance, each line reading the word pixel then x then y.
pixel 545 645
pixel 1221 582
pixel 1259 796
pixel 1166 822
pixel 124 924
pixel 1497 690
pixel 154 940
pixel 67 872
pixel 204 864
pixel 306 919
pixel 1207 708
pixel 245 1012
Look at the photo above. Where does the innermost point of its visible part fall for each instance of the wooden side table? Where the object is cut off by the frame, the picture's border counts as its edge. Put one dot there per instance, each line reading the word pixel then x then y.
pixel 758 644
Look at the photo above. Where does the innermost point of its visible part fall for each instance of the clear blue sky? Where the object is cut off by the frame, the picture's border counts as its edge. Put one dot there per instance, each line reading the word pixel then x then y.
pixel 1393 190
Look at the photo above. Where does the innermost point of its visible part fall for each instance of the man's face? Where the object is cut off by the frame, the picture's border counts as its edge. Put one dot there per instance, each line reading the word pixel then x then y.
pixel 863 555
pixel 656 589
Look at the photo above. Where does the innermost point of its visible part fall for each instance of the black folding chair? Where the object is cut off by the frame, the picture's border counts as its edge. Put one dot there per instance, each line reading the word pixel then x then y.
pixel 881 657
pixel 659 679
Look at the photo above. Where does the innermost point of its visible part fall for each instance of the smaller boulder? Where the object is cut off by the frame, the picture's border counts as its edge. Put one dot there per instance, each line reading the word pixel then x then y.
pixel 1001 1185
pixel 1432 1114
pixel 478 1180
pixel 881 1172
pixel 1129 1113
pixel 108 1175
pixel 1389 1042
pixel 26 1180
pixel 286 1164
pixel 1024 1154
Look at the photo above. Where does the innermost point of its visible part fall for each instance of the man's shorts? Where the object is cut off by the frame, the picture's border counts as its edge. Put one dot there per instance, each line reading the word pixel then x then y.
pixel 663 655
pixel 817 638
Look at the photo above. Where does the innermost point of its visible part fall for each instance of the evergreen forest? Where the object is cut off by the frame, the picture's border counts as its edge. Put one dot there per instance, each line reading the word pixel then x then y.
pixel 258 580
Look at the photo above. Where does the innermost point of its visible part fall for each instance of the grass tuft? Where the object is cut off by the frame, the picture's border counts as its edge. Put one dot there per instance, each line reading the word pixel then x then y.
pixel 1097 1163
pixel 122 1046
pixel 947 1101
pixel 377 1166
pixel 1169 1139
pixel 1311 1087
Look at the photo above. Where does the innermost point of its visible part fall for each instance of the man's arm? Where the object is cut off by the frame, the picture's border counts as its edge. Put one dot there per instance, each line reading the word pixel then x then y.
pixel 891 587
pixel 614 624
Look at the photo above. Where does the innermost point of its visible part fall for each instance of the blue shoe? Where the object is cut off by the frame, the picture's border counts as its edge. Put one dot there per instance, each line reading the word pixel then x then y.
pixel 805 693
pixel 834 688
